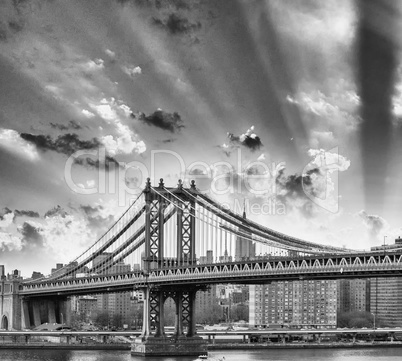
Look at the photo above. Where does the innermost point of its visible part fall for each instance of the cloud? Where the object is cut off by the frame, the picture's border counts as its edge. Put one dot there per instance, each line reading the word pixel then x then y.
pixel 12 142
pixel 332 116
pixel 65 144
pixel 4 211
pixel 96 164
pixel 56 211
pixel 126 141
pixel 93 65
pixel 24 213
pixel 87 113
pixel 6 218
pixel 291 190
pixel 248 140
pixel 72 124
pixel 316 188
pixel 170 122
pixel 65 235
pixel 97 216
pixel 31 236
pixel 322 158
pixel 110 53
pixel 375 224
pixel 9 242
pixel 132 70
pixel 176 24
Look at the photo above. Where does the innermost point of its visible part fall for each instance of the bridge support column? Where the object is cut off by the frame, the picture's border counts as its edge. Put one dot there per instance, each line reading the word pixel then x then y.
pixel 191 331
pixel 160 316
pixel 146 315
pixel 179 315
pixel 51 312
pixel 26 320
pixel 36 313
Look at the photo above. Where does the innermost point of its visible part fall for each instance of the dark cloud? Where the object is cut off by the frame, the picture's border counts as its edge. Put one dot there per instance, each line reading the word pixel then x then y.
pixel 72 124
pixel 4 211
pixel 56 211
pixel 95 219
pixel 31 236
pixel 25 213
pixel 69 144
pixel 249 140
pixel 171 122
pixel 292 190
pixel 176 24
pixel 65 144
pixel 96 164
pixel 253 143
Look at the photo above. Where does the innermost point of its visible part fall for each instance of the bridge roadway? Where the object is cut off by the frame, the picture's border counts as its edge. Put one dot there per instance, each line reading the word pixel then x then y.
pixel 209 333
pixel 253 271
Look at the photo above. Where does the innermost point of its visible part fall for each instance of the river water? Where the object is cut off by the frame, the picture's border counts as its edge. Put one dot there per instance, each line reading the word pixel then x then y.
pixel 379 354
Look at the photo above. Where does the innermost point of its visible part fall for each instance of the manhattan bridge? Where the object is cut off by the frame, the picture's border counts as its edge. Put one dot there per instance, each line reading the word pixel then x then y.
pixel 165 240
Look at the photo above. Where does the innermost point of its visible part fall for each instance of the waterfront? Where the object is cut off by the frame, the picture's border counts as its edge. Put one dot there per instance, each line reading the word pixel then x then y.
pixel 386 354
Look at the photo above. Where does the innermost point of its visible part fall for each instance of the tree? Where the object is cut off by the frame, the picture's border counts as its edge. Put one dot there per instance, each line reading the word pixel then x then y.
pixel 135 316
pixel 355 319
pixel 239 312
pixel 214 314
pixel 102 319
pixel 117 320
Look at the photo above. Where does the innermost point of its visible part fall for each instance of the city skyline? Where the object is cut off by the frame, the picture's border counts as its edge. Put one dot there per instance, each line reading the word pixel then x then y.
pixel 213 86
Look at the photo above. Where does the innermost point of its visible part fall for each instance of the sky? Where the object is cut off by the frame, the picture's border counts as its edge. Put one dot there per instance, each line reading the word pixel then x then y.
pixel 291 107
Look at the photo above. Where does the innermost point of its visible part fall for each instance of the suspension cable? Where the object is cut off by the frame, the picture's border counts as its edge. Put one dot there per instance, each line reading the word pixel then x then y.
pixel 243 234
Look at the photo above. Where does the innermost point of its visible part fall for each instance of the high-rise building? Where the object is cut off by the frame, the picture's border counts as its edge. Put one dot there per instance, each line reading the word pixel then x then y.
pixel 308 303
pixel 245 248
pixel 114 303
pixel 386 294
pixel 353 295
pixel 205 300
pixel 385 301
pixel 85 306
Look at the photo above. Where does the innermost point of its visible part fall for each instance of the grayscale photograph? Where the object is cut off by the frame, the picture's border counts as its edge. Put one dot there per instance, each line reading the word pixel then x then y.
pixel 187 180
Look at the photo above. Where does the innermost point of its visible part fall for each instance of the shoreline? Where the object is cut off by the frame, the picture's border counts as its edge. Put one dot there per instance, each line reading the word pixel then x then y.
pixel 307 345
pixel 211 347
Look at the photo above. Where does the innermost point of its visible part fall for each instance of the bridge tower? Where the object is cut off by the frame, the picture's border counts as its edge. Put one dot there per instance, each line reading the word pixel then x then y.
pixel 10 305
pixel 153 340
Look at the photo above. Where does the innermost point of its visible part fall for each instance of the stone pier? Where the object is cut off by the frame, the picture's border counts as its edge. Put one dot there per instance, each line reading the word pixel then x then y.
pixel 169 346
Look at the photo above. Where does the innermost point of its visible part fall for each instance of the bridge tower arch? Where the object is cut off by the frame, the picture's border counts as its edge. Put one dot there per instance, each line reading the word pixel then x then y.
pixel 4 322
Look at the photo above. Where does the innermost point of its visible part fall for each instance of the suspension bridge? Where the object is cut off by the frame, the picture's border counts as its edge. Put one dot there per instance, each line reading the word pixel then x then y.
pixel 173 242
